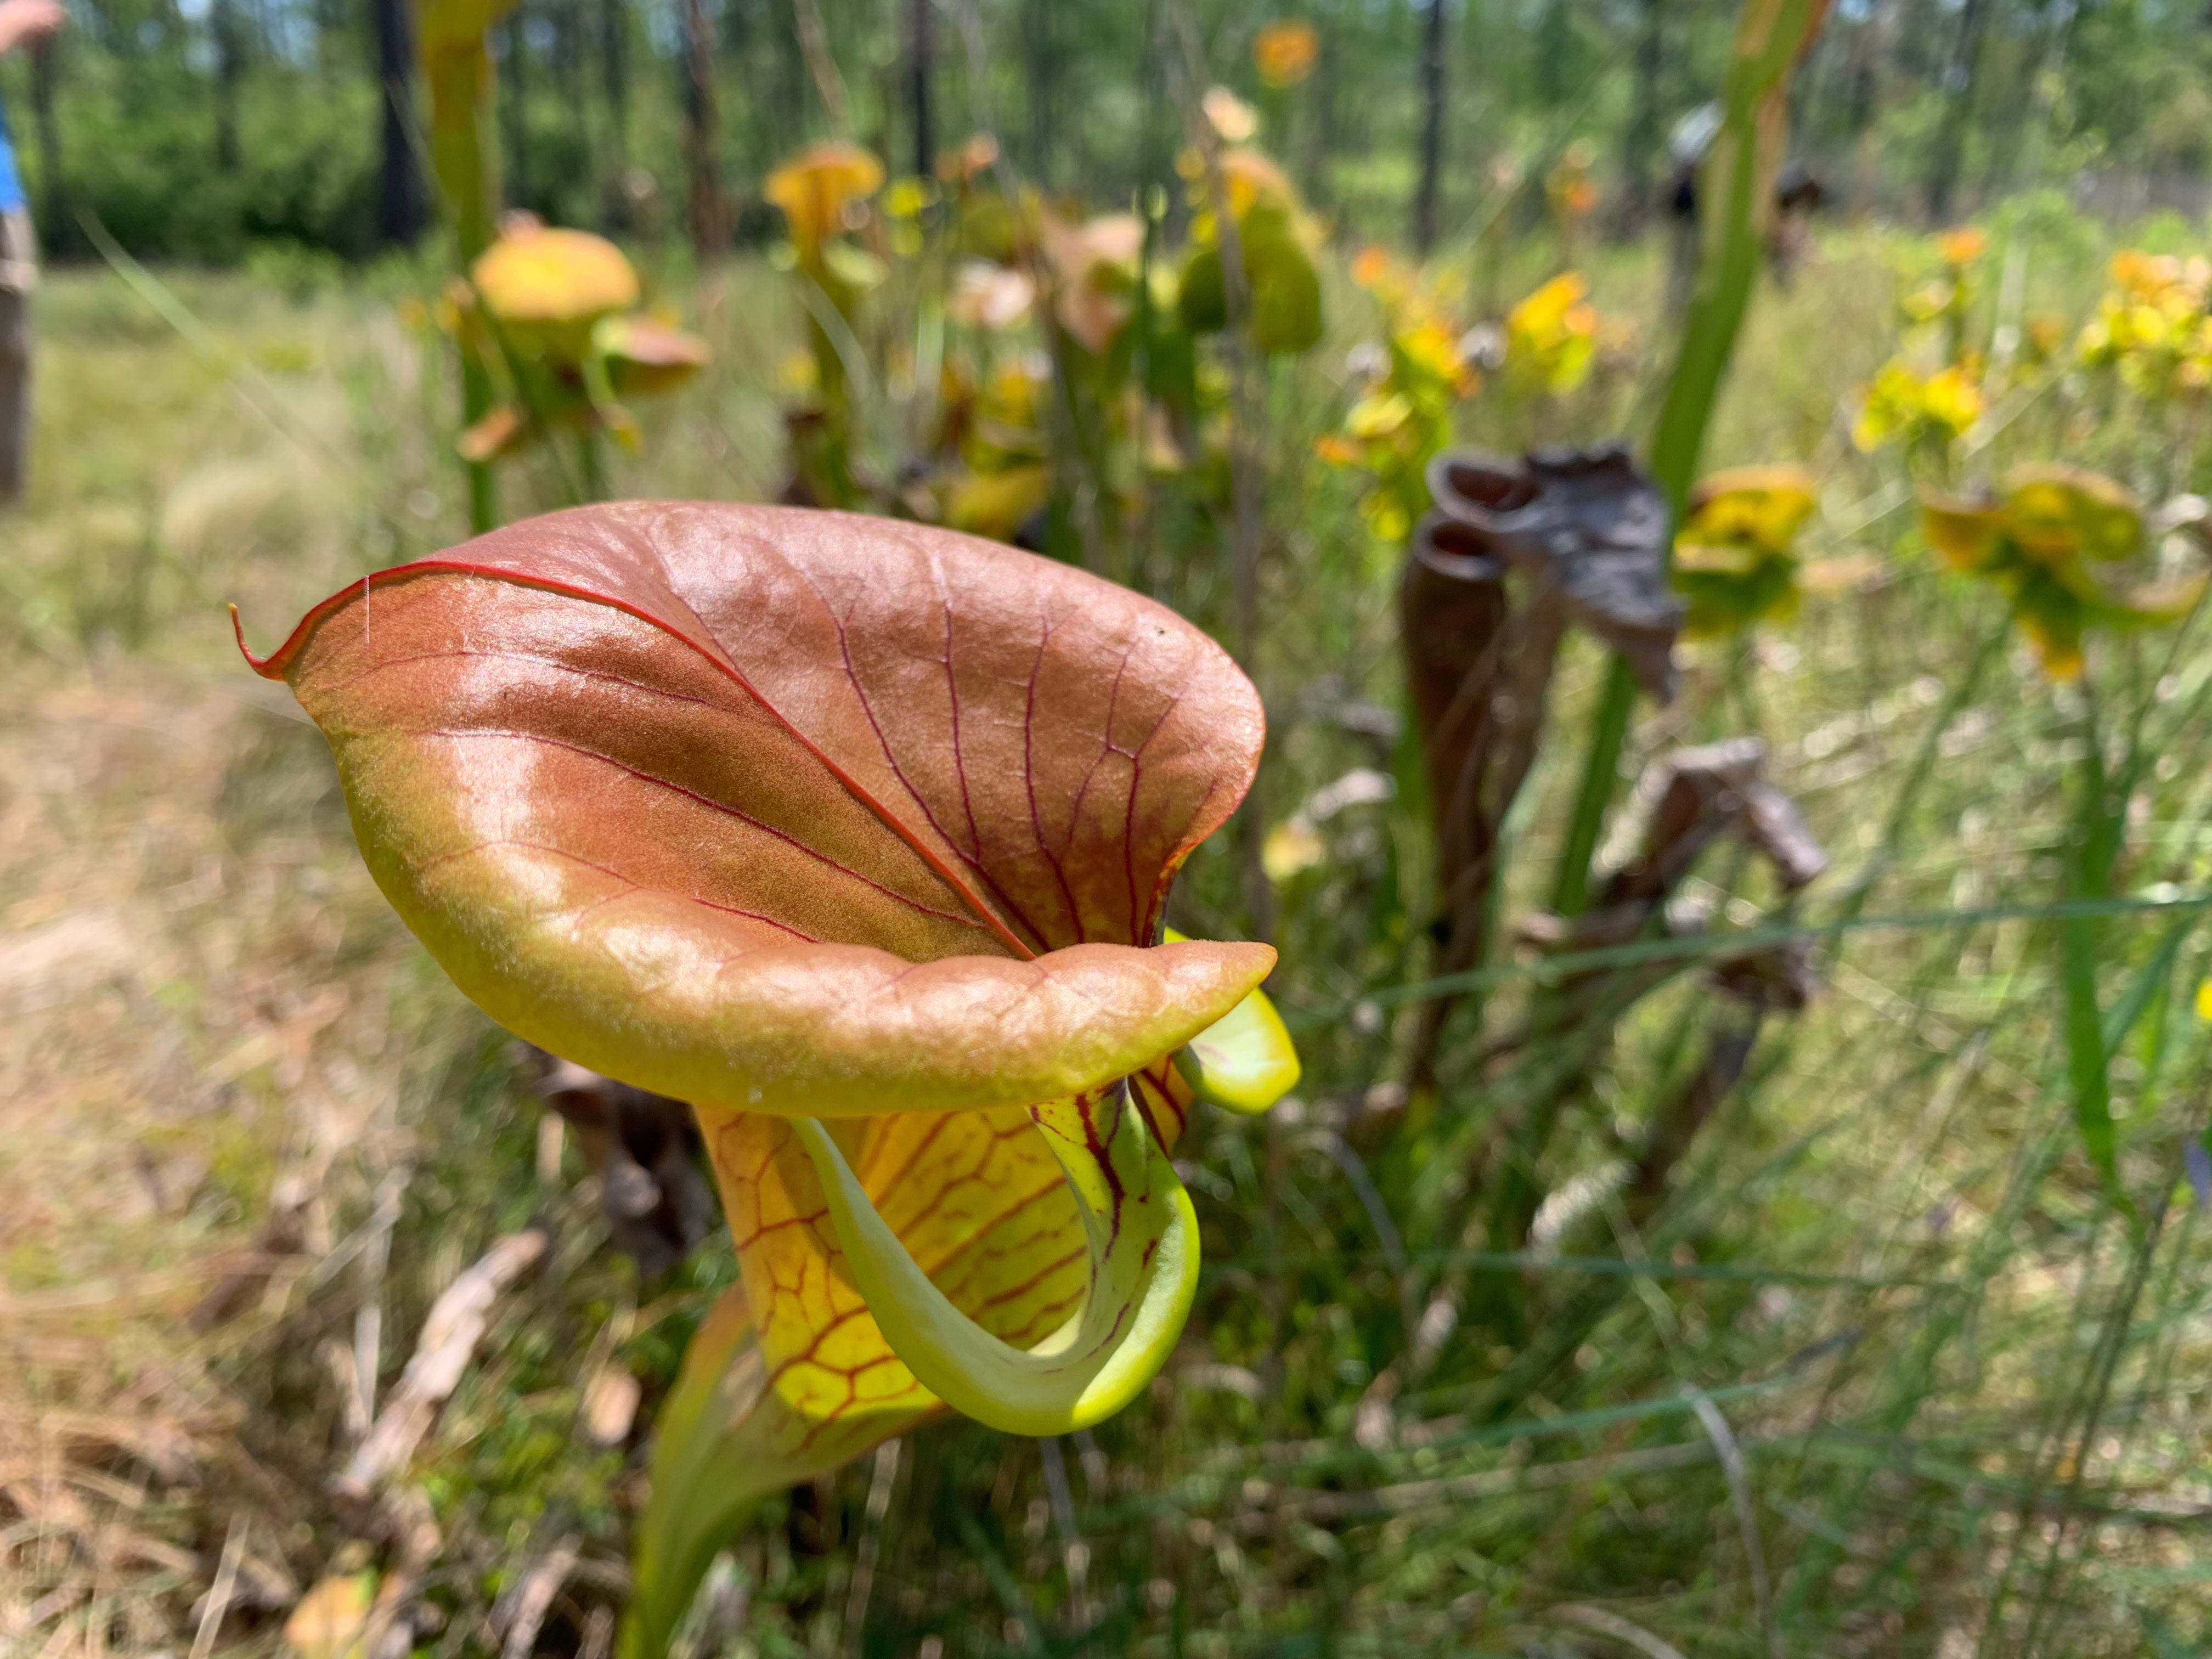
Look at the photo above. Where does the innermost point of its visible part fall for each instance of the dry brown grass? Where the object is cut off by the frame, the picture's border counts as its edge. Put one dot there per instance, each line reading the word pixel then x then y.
pixel 197 1041
pixel 218 1048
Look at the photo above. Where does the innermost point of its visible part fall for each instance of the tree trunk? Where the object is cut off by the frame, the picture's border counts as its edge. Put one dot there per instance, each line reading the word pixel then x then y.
pixel 1958 89
pixel 925 140
pixel 789 86
pixel 1555 40
pixel 709 224
pixel 1041 67
pixel 229 52
pixel 399 203
pixel 1432 128
pixel 1860 83
pixel 1643 139
pixel 614 70
pixel 514 109
pixel 330 41
pixel 54 189
pixel 568 50
pixel 1320 127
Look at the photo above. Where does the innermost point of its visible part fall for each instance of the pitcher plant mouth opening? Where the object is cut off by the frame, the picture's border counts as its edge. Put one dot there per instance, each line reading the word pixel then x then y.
pixel 857 837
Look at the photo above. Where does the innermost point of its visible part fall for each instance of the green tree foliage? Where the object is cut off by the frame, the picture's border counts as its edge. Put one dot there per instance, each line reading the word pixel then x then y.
pixel 193 128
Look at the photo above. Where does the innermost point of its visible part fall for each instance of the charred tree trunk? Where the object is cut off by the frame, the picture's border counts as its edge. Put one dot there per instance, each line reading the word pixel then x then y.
pixel 702 125
pixel 229 55
pixel 400 207
pixel 925 138
pixel 1320 127
pixel 790 84
pixel 1555 40
pixel 568 50
pixel 1433 127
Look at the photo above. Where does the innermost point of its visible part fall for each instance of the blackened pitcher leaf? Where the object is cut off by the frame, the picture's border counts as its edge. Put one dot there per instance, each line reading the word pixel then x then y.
pixel 1481 671
pixel 1773 825
pixel 1452 611
pixel 1696 796
pixel 1591 526
pixel 645 1151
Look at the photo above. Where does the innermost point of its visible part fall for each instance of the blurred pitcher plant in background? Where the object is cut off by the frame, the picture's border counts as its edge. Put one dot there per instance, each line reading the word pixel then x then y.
pixel 550 318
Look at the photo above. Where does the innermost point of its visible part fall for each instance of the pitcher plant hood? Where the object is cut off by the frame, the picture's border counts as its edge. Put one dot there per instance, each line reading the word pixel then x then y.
pixel 857 835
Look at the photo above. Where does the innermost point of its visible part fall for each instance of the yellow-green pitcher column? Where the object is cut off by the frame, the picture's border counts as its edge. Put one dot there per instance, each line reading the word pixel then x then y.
pixel 464 157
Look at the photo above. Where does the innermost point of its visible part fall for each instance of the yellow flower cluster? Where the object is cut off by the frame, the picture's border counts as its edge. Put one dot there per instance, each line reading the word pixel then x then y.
pixel 2151 326
pixel 1921 411
pixel 1411 386
pixel 1551 337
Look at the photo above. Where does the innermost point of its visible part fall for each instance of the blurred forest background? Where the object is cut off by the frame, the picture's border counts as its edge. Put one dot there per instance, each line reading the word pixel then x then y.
pixel 196 129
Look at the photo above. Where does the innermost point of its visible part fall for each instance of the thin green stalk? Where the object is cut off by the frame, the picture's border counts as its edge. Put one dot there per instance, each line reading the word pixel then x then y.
pixel 1608 734
pixel 464 157
pixel 1771 37
pixel 591 454
pixel 2111 1344
pixel 2091 846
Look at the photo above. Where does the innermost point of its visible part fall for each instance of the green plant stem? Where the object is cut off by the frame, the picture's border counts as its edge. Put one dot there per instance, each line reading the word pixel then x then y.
pixel 591 455
pixel 2091 847
pixel 1609 735
pixel 1772 36
pixel 462 91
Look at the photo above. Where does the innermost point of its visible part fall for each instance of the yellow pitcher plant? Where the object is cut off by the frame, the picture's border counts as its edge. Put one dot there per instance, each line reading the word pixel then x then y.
pixel 1277 241
pixel 1925 414
pixel 1285 51
pixel 1736 560
pixel 817 190
pixel 857 835
pixel 552 313
pixel 2046 539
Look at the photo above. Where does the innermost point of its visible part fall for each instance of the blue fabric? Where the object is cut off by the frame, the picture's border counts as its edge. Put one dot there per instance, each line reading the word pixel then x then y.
pixel 11 183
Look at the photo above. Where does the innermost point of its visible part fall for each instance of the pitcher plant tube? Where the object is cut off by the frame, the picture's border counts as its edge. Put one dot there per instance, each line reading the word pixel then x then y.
pixel 457 68
pixel 856 836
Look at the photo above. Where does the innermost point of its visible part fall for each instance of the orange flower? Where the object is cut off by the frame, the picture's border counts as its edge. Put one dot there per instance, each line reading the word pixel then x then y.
pixel 971 159
pixel 1962 246
pixel 1371 266
pixel 1285 51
